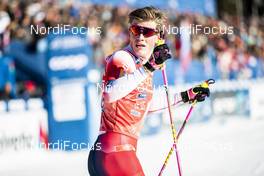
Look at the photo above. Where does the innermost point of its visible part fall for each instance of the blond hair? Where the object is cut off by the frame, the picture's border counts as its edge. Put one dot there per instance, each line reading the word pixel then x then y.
pixel 148 14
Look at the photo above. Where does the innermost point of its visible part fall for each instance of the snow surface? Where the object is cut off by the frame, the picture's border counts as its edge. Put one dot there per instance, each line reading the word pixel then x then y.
pixel 215 148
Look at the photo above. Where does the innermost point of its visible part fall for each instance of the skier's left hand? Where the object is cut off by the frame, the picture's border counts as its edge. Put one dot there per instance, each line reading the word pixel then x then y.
pixel 198 93
pixel 160 54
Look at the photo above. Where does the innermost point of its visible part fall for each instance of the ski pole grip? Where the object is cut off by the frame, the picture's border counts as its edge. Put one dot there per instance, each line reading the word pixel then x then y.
pixel 160 42
pixel 208 82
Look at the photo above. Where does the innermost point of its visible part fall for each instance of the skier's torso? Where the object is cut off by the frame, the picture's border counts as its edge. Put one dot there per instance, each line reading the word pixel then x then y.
pixel 125 115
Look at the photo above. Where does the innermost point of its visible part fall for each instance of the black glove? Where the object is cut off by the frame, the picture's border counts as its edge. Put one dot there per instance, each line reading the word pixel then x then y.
pixel 159 56
pixel 196 93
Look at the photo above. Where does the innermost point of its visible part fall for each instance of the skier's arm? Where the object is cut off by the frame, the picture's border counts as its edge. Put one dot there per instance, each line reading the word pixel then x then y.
pixel 119 88
pixel 123 76
pixel 197 93
pixel 159 100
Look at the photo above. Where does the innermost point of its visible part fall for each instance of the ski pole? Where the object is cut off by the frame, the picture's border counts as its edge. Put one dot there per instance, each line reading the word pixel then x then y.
pixel 178 136
pixel 174 133
pixel 208 82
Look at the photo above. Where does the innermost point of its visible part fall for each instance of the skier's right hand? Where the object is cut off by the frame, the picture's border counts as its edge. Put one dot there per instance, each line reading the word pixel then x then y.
pixel 159 56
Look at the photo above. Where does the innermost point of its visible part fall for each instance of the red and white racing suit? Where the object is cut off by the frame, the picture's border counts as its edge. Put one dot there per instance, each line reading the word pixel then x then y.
pixel 127 97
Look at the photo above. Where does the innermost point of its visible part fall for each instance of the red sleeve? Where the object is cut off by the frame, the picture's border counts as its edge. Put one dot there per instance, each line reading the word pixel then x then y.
pixel 112 71
pixel 119 63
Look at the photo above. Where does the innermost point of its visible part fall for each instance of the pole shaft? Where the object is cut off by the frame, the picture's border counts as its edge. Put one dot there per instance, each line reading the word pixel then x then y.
pixel 174 133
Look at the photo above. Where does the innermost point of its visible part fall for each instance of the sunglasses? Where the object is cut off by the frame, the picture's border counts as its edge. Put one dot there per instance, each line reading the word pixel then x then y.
pixel 147 32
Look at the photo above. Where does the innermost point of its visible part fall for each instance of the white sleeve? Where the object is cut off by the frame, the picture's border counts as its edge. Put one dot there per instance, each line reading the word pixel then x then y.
pixel 119 88
pixel 159 100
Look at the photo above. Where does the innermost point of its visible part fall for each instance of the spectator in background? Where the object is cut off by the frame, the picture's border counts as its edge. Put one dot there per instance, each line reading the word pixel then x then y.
pixel 7 78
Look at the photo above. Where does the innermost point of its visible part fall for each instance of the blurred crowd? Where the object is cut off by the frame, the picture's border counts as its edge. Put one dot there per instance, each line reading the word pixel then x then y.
pixel 239 55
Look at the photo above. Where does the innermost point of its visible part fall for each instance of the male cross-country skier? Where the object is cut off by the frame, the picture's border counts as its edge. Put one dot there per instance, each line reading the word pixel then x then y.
pixel 128 95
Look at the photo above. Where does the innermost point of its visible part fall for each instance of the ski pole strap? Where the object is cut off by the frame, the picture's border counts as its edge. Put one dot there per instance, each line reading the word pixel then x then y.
pixel 210 81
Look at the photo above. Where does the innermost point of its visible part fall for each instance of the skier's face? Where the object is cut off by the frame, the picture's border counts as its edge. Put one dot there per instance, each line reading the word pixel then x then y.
pixel 143 37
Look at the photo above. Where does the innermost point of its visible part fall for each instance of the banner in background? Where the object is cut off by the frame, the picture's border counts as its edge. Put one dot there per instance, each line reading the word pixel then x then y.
pixel 229 103
pixel 68 60
pixel 24 126
pixel 257 100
